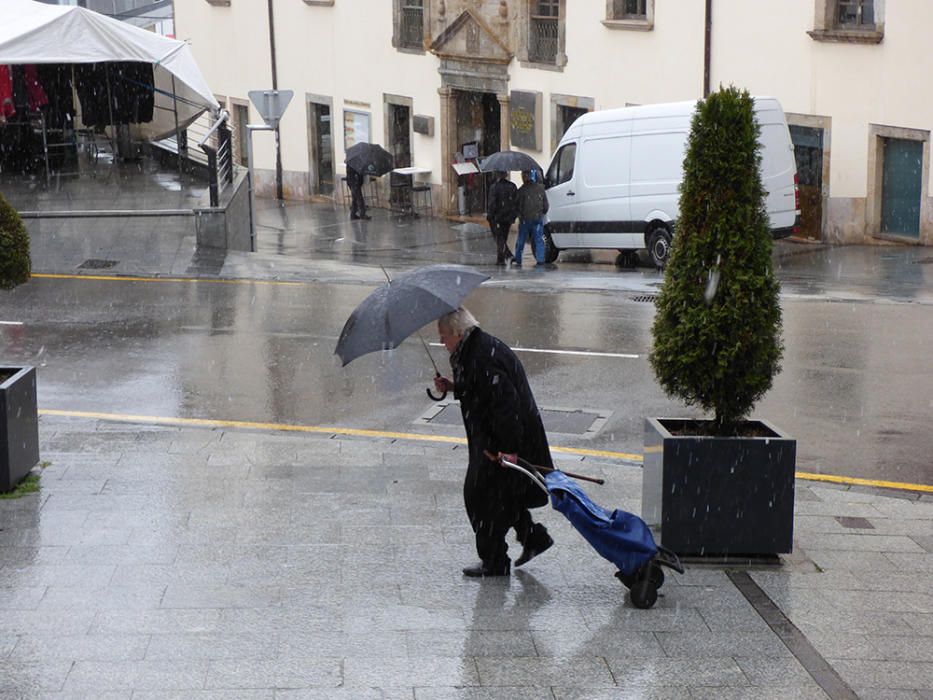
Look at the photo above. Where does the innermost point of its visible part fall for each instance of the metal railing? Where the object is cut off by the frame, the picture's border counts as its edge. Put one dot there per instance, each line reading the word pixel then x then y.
pixel 217 145
pixel 543 40
pixel 411 28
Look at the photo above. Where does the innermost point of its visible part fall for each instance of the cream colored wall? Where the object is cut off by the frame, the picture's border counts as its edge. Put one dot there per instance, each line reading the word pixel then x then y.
pixel 854 84
pixel 316 54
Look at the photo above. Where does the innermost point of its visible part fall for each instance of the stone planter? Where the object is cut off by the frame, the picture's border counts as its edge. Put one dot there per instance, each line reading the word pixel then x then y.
pixel 719 496
pixel 19 425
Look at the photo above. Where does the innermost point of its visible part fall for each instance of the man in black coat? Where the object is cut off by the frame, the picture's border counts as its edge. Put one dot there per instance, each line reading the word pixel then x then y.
pixel 501 211
pixel 355 182
pixel 500 416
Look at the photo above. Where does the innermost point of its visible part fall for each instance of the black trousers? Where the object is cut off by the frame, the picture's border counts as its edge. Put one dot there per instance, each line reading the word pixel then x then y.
pixel 357 203
pixel 501 233
pixel 492 519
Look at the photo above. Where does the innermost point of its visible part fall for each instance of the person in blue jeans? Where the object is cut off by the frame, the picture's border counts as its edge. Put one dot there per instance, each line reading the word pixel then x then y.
pixel 532 206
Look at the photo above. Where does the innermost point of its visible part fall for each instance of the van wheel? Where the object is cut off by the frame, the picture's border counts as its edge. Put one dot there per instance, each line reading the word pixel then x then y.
pixel 659 246
pixel 550 252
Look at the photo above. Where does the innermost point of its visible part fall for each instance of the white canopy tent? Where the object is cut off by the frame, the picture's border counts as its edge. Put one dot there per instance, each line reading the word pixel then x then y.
pixel 33 32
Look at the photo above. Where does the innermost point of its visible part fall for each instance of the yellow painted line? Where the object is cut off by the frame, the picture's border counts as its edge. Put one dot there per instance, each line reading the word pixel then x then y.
pixel 189 280
pixel 288 427
pixel 418 437
pixel 855 481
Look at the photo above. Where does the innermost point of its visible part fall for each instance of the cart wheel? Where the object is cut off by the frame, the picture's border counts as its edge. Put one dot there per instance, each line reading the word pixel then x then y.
pixel 644 594
pixel 627 581
pixel 656 574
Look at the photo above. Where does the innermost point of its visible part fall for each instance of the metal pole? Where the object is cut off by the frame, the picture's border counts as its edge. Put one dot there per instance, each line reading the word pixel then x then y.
pixel 250 128
pixel 177 131
pixel 279 192
pixel 707 47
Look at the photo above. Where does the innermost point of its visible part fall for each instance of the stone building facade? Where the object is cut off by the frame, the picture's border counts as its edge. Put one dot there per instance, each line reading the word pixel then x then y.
pixel 440 81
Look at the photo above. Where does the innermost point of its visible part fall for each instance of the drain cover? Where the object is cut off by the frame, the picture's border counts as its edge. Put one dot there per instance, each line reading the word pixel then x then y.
pixel 97 264
pixel 649 298
pixel 569 421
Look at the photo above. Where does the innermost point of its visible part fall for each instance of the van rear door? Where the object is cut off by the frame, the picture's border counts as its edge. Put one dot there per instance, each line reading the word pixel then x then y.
pixel 562 200
pixel 778 168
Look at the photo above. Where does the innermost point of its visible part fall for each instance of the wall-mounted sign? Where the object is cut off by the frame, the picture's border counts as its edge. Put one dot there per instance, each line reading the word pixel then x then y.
pixel 422 124
pixel 525 119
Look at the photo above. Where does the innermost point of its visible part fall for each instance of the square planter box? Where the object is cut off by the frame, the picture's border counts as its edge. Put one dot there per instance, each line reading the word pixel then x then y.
pixel 719 496
pixel 19 425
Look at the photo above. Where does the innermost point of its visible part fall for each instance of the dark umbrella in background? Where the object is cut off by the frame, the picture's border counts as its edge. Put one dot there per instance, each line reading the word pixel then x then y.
pixel 369 159
pixel 402 306
pixel 505 161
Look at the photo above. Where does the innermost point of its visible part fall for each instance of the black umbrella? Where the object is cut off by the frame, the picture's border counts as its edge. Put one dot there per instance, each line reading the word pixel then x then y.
pixel 402 306
pixel 369 159
pixel 504 161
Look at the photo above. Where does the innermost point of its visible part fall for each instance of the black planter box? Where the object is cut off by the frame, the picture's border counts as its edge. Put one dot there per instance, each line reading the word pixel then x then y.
pixel 719 496
pixel 19 425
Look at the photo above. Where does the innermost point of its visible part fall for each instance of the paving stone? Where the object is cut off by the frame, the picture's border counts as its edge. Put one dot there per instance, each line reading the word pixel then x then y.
pixel 634 692
pixel 93 676
pixel 811 692
pixel 156 622
pixel 582 671
pixel 30 678
pixel 84 647
pixel 712 671
pixel 422 671
pixel 897 675
pixel 721 644
pixel 59 599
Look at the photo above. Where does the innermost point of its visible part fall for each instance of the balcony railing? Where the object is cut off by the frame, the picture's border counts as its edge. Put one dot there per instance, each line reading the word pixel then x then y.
pixel 543 43
pixel 411 29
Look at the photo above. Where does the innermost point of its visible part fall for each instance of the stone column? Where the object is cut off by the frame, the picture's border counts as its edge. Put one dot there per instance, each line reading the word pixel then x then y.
pixel 448 128
pixel 505 122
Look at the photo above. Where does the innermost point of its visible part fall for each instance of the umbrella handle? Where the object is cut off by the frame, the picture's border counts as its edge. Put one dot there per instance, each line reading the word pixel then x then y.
pixel 431 394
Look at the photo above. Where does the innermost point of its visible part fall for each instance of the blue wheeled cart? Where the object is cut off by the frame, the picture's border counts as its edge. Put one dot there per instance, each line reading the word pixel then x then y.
pixel 622 538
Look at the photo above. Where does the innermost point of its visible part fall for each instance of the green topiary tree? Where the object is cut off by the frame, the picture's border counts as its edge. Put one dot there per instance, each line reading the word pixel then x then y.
pixel 15 266
pixel 717 332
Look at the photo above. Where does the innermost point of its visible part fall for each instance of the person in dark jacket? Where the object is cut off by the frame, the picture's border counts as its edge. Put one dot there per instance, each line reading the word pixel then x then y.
pixel 355 180
pixel 501 211
pixel 500 417
pixel 532 206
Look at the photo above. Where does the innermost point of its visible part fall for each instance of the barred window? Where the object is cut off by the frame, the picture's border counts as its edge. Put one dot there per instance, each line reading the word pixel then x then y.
pixel 855 14
pixel 411 24
pixel 629 9
pixel 544 32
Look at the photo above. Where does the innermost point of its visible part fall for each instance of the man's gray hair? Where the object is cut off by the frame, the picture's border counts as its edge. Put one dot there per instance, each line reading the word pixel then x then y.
pixel 458 322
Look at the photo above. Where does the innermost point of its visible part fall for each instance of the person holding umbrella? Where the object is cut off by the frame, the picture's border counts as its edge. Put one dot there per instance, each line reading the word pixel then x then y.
pixel 501 212
pixel 500 417
pixel 355 182
pixel 364 159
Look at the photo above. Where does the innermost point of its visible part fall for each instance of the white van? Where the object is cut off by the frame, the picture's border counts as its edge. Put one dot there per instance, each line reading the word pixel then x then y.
pixel 614 180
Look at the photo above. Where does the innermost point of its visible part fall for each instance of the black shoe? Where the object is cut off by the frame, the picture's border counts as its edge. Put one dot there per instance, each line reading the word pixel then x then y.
pixel 353 217
pixel 516 263
pixel 367 217
pixel 500 262
pixel 548 266
pixel 482 571
pixel 533 550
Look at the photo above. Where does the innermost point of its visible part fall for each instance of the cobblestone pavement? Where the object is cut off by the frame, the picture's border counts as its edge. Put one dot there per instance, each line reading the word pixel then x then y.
pixel 189 562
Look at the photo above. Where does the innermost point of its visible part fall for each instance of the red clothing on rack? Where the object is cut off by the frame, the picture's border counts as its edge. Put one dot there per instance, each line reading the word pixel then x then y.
pixel 7 108
pixel 37 96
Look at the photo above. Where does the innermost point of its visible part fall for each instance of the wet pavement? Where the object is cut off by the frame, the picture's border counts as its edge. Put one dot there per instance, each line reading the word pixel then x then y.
pixel 242 560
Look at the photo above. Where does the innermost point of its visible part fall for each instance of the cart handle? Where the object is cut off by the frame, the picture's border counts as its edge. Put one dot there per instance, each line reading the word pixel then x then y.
pixel 526 465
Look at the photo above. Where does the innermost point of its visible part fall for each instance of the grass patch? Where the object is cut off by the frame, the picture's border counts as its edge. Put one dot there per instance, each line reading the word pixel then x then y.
pixel 28 485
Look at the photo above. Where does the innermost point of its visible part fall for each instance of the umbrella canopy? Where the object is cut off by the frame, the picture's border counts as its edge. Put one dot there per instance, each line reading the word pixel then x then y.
pixel 400 307
pixel 504 161
pixel 369 159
